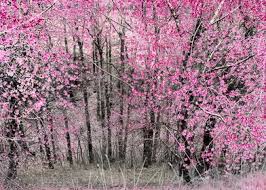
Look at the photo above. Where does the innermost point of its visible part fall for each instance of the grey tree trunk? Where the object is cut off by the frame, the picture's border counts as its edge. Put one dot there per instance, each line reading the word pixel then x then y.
pixel 46 145
pixel 108 91
pixel 184 172
pixel 86 102
pixel 13 152
pixel 204 165
pixel 68 139
pixel 53 139
pixel 148 144
pixel 121 153
pixel 126 131
pixel 156 137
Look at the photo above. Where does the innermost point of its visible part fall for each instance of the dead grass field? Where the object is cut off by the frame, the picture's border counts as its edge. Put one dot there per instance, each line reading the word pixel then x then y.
pixel 115 178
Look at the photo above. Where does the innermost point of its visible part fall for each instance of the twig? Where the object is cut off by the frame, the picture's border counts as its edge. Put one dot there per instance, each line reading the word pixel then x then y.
pixel 211 113
pixel 232 65
pixel 215 21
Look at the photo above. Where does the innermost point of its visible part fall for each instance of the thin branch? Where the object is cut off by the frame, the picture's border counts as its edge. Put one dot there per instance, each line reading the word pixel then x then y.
pixel 173 14
pixel 217 12
pixel 194 37
pixel 112 75
pixel 232 65
pixel 217 20
pixel 211 113
pixel 110 19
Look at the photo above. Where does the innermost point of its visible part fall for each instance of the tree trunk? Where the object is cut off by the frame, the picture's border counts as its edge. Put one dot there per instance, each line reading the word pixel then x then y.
pixel 13 152
pixel 81 151
pixel 121 153
pixel 156 137
pixel 148 142
pixel 147 146
pixel 204 165
pixel 108 91
pixel 23 144
pixel 87 116
pixel 85 99
pixel 126 131
pixel 184 172
pixel 48 151
pixel 68 139
pixel 102 95
pixel 52 138
pixel 46 145
pixel 39 140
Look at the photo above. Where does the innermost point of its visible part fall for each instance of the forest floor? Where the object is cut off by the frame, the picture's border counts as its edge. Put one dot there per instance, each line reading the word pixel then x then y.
pixel 115 178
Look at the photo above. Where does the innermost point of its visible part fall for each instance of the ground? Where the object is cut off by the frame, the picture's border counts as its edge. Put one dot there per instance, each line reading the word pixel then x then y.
pixel 115 177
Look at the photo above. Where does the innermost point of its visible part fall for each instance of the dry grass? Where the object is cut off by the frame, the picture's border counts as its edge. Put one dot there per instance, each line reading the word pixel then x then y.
pixel 115 178
pixel 97 177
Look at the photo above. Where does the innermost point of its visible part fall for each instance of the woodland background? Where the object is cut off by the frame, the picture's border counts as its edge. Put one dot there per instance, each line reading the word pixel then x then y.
pixel 114 94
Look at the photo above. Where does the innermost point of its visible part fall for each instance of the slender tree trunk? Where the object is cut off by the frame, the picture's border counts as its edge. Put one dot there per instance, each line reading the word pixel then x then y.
pixel 52 138
pixel 121 90
pixel 147 145
pixel 39 140
pixel 108 90
pixel 204 165
pixel 81 151
pixel 22 142
pixel 85 99
pixel 53 145
pixel 13 152
pixel 46 145
pixel 184 172
pixel 167 149
pixel 126 131
pixel 48 151
pixel 108 109
pixel 102 95
pixel 68 139
pixel 87 116
pixel 156 137
pixel 97 82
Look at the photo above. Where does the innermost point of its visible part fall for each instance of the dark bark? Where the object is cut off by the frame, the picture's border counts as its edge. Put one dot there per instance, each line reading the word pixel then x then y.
pixel 167 149
pixel 195 36
pixel 52 138
pixel 102 94
pixel 67 136
pixel 126 132
pixel 148 141
pixel 147 146
pixel 48 151
pixel 46 146
pixel 39 140
pixel 23 144
pixel 156 137
pixel 184 172
pixel 87 116
pixel 108 90
pixel 81 151
pixel 204 165
pixel 68 139
pixel 86 102
pixel 13 151
pixel 121 153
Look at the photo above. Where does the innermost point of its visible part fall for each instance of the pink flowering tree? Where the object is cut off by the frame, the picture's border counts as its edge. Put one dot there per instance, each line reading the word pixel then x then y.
pixel 206 58
pixel 189 71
